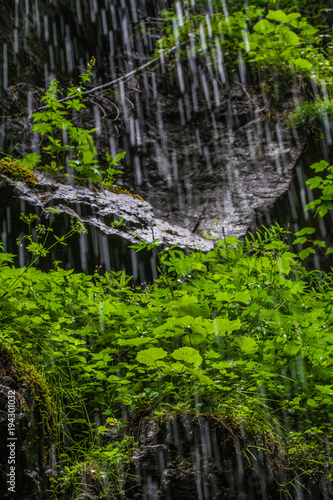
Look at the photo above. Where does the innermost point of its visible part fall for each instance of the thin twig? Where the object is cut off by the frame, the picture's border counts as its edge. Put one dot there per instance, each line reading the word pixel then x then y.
pixel 117 80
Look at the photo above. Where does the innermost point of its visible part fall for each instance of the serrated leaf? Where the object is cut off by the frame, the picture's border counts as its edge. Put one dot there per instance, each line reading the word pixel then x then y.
pixel 305 230
pixel 300 240
pixel 305 253
pixel 319 166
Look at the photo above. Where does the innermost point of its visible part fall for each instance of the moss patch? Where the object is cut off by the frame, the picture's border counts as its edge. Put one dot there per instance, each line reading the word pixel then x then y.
pixel 117 190
pixel 15 170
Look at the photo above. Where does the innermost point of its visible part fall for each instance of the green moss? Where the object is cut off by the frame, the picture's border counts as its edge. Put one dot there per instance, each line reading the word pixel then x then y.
pixel 15 170
pixel 41 408
pixel 117 190
pixel 41 393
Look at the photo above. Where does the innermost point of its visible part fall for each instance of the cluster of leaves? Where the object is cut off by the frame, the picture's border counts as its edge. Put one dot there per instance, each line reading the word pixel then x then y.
pixel 321 205
pixel 275 42
pixel 242 331
pixel 70 147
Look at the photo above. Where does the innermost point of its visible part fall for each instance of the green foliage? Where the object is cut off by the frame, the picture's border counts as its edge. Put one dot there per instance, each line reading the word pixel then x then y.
pixel 242 331
pixel 289 44
pixel 311 114
pixel 70 146
pixel 99 468
pixel 322 204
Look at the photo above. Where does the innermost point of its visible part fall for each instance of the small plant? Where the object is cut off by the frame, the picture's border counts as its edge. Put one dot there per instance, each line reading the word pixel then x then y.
pixel 100 469
pixel 37 245
pixel 69 147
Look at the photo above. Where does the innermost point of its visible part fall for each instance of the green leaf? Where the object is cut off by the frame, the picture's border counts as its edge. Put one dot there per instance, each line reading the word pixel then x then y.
pixel 289 37
pixel 246 344
pixel 319 166
pixel 223 325
pixel 200 376
pixel 303 64
pixel 319 243
pixel 305 253
pixel 243 296
pixel 314 182
pixel 277 15
pixel 151 355
pixel 31 160
pixel 264 27
pixel 223 297
pixel 187 354
pixel 300 240
pixel 305 230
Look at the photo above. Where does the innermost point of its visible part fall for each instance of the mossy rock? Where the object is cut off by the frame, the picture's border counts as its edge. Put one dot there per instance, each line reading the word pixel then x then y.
pixel 34 427
pixel 15 170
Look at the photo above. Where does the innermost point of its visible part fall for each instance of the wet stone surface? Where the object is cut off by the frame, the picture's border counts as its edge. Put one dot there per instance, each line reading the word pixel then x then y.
pixel 104 244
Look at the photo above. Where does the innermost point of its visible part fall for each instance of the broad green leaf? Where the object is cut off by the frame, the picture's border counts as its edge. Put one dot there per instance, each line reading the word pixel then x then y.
pixel 264 27
pixel 246 344
pixel 151 355
pixel 285 262
pixel 243 296
pixel 187 354
pixel 292 17
pixel 119 157
pixel 303 64
pixel 289 37
pixel 194 339
pixel 277 15
pixel 223 325
pixel 314 182
pixel 223 297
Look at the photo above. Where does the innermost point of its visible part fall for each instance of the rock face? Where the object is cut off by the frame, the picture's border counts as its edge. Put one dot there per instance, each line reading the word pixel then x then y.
pixel 202 145
pixel 23 403
pixel 113 221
